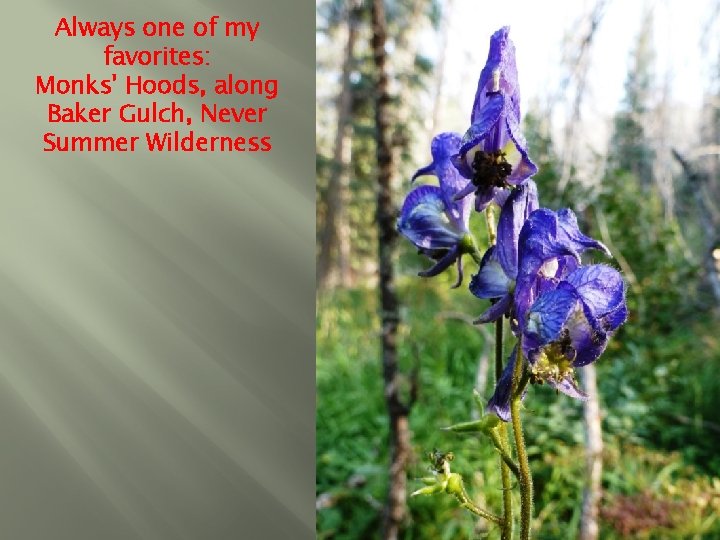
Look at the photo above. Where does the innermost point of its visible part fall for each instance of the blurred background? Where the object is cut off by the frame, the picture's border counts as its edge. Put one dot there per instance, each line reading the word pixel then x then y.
pixel 621 109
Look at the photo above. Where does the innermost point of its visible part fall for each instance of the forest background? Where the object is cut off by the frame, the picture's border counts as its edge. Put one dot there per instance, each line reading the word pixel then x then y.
pixel 621 105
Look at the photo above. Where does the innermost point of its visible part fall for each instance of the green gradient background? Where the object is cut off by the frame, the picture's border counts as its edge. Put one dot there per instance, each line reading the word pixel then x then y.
pixel 157 310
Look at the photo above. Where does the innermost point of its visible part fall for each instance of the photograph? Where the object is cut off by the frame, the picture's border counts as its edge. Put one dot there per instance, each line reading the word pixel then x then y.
pixel 517 269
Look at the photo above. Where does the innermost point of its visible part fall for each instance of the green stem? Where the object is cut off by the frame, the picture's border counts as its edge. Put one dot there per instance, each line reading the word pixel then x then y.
pixel 526 486
pixel 499 436
pixel 498 348
pixel 490 219
pixel 502 442
pixel 465 501
pixel 480 512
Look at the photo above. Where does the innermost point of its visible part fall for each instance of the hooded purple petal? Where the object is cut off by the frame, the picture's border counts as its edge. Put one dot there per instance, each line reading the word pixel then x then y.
pixel 499 74
pixel 494 152
pixel 600 287
pixel 569 234
pixel 519 205
pixel 443 147
pixel 424 221
pixel 547 241
pixel 491 281
pixel 483 127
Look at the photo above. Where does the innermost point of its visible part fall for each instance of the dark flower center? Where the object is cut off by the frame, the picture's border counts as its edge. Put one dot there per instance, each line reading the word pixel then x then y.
pixel 491 169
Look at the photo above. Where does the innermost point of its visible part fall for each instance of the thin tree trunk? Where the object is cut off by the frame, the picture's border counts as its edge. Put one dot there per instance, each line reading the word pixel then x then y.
pixel 334 257
pixel 395 508
pixel 589 528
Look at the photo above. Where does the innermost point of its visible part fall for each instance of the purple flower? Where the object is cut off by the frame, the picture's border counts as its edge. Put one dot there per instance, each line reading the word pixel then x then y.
pixel 498 271
pixel 432 218
pixel 569 326
pixel 493 153
pixel 550 247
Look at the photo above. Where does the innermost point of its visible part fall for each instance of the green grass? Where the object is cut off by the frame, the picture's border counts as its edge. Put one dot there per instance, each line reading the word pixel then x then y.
pixel 650 461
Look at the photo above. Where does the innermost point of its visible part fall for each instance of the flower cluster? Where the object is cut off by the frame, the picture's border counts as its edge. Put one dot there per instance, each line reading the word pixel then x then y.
pixel 561 311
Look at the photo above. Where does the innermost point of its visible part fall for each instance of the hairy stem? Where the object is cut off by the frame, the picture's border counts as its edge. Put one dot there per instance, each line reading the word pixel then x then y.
pixel 465 501
pixel 503 448
pixel 480 512
pixel 526 486
pixel 499 436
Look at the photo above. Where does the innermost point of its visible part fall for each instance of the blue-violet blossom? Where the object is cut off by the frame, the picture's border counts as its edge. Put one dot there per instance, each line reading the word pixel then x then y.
pixel 432 218
pixel 564 312
pixel 493 153
pixel 498 271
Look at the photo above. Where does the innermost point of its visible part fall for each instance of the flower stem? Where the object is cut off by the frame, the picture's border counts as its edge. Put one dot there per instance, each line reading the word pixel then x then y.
pixel 480 512
pixel 526 486
pixel 490 219
pixel 502 442
pixel 498 435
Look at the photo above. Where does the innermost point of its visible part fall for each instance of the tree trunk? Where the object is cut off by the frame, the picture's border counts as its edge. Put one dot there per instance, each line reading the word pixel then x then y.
pixel 589 528
pixel 334 258
pixel 395 508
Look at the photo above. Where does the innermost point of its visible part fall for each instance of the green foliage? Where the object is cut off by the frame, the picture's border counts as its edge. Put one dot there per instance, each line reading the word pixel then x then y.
pixel 639 398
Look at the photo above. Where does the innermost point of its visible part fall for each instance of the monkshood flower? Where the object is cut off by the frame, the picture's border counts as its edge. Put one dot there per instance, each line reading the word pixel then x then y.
pixel 493 153
pixel 432 218
pixel 498 271
pixel 564 313
pixel 567 327
pixel 550 245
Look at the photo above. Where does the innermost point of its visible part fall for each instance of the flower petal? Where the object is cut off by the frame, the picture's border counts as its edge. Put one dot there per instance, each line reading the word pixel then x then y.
pixel 483 127
pixel 499 403
pixel 569 233
pixel 569 387
pixel 500 67
pixel 548 316
pixel 491 280
pixel 424 171
pixel 612 320
pixel 519 205
pixel 524 167
pixel 600 287
pixel 424 222
pixel 587 337
pixel 443 264
pixel 495 311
